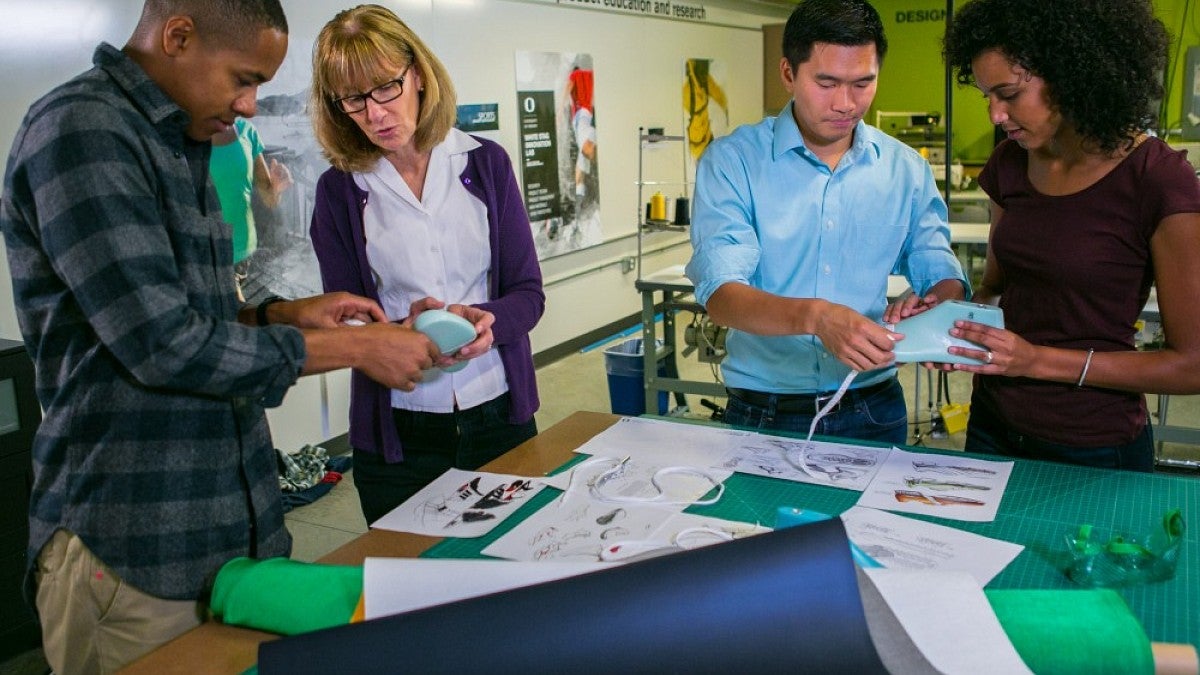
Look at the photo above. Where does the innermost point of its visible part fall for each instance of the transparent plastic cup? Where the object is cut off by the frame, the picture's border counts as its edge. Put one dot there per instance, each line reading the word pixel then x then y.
pixel 1101 560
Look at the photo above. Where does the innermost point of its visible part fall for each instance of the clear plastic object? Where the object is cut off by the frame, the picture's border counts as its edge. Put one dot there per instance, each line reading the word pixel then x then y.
pixel 1124 560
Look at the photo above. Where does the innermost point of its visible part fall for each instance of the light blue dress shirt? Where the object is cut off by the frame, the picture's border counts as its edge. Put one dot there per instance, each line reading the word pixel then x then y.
pixel 768 213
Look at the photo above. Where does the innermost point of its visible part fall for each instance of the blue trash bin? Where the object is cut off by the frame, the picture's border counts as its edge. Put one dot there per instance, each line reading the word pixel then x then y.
pixel 624 366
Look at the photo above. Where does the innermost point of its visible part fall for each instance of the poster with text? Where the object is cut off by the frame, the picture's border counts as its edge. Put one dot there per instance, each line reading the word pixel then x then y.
pixel 558 163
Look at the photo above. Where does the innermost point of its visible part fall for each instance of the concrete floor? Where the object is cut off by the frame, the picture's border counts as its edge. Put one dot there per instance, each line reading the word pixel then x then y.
pixel 579 382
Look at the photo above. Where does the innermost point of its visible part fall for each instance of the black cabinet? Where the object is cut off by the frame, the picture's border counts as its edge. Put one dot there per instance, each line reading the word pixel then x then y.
pixel 19 417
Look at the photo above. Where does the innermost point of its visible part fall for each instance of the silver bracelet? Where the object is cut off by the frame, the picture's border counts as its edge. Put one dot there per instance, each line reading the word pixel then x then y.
pixel 1087 363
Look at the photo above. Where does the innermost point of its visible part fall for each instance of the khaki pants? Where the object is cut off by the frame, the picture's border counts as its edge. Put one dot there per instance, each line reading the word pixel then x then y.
pixel 92 620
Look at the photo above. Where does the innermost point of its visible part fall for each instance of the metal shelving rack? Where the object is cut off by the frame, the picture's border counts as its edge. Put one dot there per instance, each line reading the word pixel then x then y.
pixel 675 289
pixel 644 224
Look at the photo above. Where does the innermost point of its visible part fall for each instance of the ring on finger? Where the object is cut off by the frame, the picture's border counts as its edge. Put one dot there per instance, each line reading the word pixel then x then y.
pixel 989 356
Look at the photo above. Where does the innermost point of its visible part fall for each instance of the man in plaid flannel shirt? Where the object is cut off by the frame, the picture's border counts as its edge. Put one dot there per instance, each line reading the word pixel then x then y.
pixel 154 464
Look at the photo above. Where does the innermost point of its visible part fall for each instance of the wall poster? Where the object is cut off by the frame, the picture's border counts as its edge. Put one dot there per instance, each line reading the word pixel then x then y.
pixel 558 162
pixel 284 263
pixel 705 108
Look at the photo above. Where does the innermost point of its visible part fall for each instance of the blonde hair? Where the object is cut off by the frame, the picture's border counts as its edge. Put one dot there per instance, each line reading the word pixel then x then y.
pixel 369 43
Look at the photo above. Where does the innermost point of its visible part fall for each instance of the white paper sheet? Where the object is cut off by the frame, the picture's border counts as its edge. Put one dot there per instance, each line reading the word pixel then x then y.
pixel 577 529
pixel 688 530
pixel 641 479
pixel 841 465
pixel 935 622
pixel 680 532
pixel 665 442
pixel 946 486
pixel 903 543
pixel 460 504
pixel 395 585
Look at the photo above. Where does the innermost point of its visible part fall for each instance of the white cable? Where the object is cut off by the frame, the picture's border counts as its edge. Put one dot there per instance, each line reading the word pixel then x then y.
pixel 648 548
pixel 584 464
pixel 701 532
pixel 596 488
pixel 833 401
pixel 596 484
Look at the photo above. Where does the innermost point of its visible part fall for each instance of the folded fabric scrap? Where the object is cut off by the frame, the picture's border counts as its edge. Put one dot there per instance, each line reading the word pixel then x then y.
pixel 301 470
pixel 334 468
pixel 286 596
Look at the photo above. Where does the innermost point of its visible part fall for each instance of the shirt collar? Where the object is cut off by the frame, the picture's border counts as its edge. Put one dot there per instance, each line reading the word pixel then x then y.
pixel 142 91
pixel 457 142
pixel 865 147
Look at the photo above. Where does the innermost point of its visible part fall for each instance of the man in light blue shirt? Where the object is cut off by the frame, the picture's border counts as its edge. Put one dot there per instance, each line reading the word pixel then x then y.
pixel 798 222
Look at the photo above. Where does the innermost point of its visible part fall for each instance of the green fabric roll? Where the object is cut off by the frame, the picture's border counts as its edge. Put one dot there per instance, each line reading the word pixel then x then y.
pixel 285 596
pixel 1070 632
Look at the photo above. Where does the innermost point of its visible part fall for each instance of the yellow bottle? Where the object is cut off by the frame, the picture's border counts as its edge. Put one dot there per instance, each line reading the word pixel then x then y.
pixel 658 206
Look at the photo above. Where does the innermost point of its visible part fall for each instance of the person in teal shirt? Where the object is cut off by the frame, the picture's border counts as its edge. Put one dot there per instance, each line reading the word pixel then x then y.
pixel 798 222
pixel 238 168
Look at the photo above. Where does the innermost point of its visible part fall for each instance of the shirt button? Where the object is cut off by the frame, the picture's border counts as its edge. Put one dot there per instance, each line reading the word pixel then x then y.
pixel 827 270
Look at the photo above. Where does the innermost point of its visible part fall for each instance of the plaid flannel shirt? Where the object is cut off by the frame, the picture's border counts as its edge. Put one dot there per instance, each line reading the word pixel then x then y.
pixel 154 447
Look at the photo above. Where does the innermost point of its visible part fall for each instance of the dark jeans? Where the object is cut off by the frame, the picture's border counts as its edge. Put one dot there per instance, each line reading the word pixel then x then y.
pixel 433 443
pixel 987 433
pixel 878 416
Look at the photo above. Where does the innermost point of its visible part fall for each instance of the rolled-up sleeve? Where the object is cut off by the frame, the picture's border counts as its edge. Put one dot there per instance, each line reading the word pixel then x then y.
pixel 725 245
pixel 928 258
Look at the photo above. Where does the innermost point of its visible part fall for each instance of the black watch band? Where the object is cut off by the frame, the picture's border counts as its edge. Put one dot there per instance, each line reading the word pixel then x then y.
pixel 260 312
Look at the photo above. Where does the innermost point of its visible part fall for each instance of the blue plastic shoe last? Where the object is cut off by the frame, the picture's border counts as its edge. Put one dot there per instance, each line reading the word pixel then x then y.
pixel 450 332
pixel 927 335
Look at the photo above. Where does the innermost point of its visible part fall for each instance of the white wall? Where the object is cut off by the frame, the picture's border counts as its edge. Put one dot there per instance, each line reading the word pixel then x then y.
pixel 639 77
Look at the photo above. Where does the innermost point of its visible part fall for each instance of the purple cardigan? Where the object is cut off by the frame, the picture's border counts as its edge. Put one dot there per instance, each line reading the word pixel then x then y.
pixel 514 286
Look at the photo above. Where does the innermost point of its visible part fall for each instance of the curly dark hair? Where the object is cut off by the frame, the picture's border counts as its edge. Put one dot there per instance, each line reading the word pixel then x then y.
pixel 1102 60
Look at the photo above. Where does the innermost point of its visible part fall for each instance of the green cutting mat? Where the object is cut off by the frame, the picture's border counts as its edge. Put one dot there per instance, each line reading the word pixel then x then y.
pixel 1043 503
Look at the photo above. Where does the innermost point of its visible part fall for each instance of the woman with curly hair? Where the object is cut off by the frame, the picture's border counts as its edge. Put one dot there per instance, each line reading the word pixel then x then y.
pixel 1088 212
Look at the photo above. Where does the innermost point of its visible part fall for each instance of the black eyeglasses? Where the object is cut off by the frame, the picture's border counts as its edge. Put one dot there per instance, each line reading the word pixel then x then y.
pixel 388 91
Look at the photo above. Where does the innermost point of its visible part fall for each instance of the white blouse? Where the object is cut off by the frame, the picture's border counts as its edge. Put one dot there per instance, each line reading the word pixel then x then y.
pixel 436 246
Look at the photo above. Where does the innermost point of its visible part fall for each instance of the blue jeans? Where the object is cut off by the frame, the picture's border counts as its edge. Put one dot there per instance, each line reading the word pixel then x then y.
pixel 433 443
pixel 987 433
pixel 878 416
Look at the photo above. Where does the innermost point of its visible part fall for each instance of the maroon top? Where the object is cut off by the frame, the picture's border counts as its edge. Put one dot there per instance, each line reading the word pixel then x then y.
pixel 1077 272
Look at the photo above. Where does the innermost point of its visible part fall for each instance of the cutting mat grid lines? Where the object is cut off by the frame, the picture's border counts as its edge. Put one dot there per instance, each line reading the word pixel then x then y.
pixel 1044 502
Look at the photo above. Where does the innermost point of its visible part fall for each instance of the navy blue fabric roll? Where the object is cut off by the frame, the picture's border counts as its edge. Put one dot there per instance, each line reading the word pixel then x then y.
pixel 785 601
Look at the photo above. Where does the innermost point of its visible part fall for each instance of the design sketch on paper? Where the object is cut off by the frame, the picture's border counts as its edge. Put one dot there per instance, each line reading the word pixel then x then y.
pixel 577 529
pixel 634 480
pixel 931 466
pixel 481 506
pixel 936 500
pixel 461 504
pixel 962 488
pixel 837 464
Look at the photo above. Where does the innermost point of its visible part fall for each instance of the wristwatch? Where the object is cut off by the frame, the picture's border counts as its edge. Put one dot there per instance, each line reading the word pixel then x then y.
pixel 260 313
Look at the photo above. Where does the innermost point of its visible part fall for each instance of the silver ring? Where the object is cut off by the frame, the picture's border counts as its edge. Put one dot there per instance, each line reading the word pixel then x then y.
pixel 989 356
